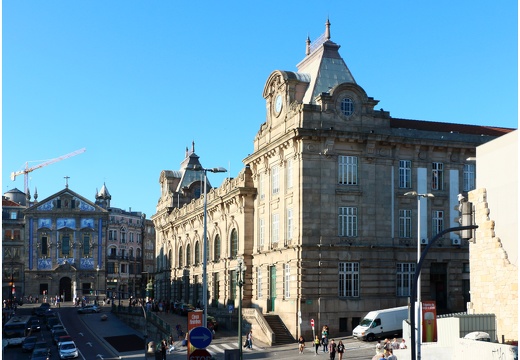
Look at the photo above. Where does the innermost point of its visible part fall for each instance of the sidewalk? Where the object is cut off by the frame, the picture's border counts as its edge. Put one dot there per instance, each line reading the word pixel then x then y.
pixel 222 336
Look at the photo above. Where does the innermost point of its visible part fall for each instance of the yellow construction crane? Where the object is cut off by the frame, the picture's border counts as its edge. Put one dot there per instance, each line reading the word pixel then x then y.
pixel 28 169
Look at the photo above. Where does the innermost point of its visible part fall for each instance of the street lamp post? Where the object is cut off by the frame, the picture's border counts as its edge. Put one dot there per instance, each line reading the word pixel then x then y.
pixel 419 197
pixel 97 285
pixel 205 245
pixel 240 283
pixel 145 331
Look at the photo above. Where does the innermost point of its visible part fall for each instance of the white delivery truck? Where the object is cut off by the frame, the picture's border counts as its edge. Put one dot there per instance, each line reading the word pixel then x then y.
pixel 381 324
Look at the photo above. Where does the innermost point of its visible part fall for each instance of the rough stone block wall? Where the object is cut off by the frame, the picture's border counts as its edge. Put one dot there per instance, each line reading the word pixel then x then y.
pixel 494 280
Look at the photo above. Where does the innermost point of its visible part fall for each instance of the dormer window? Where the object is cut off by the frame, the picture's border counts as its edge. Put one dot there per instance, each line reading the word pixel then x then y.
pixel 347 106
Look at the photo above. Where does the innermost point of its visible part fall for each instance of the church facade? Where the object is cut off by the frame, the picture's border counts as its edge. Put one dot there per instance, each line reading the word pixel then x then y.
pixel 65 239
pixel 323 216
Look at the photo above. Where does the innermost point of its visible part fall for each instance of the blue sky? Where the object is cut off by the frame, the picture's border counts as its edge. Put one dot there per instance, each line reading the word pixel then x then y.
pixel 135 82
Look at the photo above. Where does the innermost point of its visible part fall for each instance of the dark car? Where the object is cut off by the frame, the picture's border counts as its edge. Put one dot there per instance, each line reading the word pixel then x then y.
pixel 42 345
pixel 40 354
pixel 64 338
pixel 34 324
pixel 42 309
pixel 57 327
pixel 56 335
pixel 28 343
pixel 88 309
pixel 184 309
pixel 52 321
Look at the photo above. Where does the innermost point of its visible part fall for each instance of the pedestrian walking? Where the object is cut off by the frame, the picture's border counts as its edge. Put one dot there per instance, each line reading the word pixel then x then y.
pixel 341 349
pixel 325 343
pixel 301 344
pixel 250 340
pixel 379 347
pixel 332 349
pixel 164 348
pixel 317 344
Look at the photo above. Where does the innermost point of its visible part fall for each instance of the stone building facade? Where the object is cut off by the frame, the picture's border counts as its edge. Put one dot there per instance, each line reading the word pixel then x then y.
pixel 180 231
pixel 13 246
pixel 124 250
pixel 319 214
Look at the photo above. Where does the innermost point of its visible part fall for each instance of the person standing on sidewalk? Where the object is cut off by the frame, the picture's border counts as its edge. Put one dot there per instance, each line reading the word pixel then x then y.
pixel 317 343
pixel 332 349
pixel 301 344
pixel 164 347
pixel 250 340
pixel 340 348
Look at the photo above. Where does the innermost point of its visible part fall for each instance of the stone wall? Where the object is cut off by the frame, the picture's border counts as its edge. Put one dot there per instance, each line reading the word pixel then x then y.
pixel 494 280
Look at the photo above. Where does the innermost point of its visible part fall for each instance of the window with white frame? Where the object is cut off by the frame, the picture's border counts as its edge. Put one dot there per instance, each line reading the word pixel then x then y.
pixel 348 284
pixel 14 215
pixel 469 177
pixel 261 232
pixel 347 220
pixel 348 170
pixel 275 179
pixel 405 174
pixel 287 281
pixel 289 224
pixel 261 178
pixel 437 176
pixel 437 221
pixel 259 282
pixel 131 237
pixel 288 174
pixel 405 223
pixel 112 235
pixel 275 223
pixel 404 274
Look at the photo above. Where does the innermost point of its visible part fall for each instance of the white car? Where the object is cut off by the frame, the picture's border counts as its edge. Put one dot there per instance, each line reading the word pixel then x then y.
pixel 68 350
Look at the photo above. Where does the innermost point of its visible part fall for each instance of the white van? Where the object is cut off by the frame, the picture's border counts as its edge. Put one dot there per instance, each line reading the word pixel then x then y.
pixel 381 324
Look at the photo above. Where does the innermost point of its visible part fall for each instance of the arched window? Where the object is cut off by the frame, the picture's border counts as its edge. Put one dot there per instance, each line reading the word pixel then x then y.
pixel 234 243
pixel 216 248
pixel 197 253
pixel 188 255
pixel 208 252
pixel 181 260
pixel 170 259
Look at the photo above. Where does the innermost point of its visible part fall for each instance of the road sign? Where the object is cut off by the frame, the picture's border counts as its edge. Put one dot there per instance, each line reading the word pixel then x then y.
pixel 200 354
pixel 200 337
pixel 312 322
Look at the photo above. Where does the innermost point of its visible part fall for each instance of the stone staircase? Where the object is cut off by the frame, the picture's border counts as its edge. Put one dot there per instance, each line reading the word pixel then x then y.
pixel 282 335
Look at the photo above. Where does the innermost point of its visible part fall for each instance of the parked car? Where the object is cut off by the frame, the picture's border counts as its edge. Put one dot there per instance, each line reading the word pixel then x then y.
pixel 42 345
pixel 478 336
pixel 89 309
pixel 40 354
pixel 57 335
pixel 39 311
pixel 184 309
pixel 68 350
pixel 34 324
pixel 52 321
pixel 28 343
pixel 64 338
pixel 56 328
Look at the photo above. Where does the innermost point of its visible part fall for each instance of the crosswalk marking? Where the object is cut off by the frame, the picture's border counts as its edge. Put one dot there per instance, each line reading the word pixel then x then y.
pixel 215 349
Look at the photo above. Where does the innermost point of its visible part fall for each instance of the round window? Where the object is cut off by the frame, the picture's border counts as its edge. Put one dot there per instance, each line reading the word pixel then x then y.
pixel 347 106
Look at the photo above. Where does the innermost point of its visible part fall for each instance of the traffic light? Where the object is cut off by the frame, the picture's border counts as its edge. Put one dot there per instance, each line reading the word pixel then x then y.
pixel 465 217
